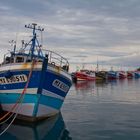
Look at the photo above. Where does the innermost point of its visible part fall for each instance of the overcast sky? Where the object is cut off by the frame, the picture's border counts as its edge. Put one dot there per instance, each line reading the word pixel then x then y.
pixel 80 30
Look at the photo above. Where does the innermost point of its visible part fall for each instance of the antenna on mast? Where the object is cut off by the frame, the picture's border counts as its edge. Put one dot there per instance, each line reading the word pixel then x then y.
pixel 97 68
pixel 13 44
pixel 34 40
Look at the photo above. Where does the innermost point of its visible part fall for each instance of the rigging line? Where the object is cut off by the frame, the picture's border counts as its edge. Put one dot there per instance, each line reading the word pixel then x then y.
pixel 41 38
pixel 9 113
pixel 7 118
pixel 8 125
pixel 39 46
pixel 11 121
pixel 12 114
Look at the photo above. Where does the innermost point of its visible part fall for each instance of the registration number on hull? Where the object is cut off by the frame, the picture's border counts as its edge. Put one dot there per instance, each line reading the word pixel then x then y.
pixel 14 79
pixel 60 85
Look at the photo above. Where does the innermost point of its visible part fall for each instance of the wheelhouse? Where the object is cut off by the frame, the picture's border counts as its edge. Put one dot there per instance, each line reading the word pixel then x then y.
pixel 54 59
pixel 33 50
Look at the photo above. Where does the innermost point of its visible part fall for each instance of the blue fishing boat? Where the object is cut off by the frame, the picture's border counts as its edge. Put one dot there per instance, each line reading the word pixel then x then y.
pixel 137 74
pixel 33 82
pixel 112 75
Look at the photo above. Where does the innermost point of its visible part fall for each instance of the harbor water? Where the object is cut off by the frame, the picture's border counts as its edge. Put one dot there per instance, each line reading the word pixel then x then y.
pixel 108 110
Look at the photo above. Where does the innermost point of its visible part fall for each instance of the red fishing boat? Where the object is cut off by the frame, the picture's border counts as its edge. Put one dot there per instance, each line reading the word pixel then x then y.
pixel 122 74
pixel 85 75
pixel 130 74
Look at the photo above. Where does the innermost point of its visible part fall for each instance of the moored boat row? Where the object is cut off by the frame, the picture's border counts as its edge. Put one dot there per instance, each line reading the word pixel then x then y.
pixel 88 75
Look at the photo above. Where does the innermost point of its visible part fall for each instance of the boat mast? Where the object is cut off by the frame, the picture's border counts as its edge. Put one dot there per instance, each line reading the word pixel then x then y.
pixel 13 44
pixel 34 39
pixel 97 65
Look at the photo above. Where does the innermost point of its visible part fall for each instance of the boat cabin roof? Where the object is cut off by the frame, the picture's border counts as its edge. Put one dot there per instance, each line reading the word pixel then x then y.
pixel 87 71
pixel 19 58
pixel 53 59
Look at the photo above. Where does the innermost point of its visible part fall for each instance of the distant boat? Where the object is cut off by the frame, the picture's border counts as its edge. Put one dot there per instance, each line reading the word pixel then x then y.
pixel 111 75
pixel 33 81
pixel 137 74
pixel 84 74
pixel 73 75
pixel 130 74
pixel 122 74
pixel 101 75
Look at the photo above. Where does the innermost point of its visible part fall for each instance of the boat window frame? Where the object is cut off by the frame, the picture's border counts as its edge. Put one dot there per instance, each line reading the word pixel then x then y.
pixel 7 61
pixel 20 61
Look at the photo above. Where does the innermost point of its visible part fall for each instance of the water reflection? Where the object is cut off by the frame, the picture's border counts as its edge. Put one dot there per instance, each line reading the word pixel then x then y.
pixel 50 129
pixel 84 86
pixel 113 91
pixel 91 86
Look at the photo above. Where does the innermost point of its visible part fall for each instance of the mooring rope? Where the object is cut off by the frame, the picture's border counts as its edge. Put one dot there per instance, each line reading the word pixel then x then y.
pixel 20 100
pixel 13 114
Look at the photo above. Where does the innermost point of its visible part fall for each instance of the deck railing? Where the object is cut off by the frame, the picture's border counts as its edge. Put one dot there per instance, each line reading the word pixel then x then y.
pixel 56 59
pixel 53 58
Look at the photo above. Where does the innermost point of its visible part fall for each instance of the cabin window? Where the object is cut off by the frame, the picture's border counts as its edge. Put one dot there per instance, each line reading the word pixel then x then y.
pixel 8 60
pixel 65 67
pixel 19 59
pixel 12 60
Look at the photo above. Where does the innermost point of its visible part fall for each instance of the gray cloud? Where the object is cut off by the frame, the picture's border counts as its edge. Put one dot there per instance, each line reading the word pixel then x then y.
pixel 105 28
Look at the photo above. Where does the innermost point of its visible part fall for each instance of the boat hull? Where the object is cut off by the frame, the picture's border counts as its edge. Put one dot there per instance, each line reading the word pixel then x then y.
pixel 137 74
pixel 111 75
pixel 80 76
pixel 130 74
pixel 122 75
pixel 33 107
pixel 42 99
pixel 101 75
